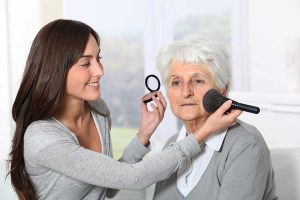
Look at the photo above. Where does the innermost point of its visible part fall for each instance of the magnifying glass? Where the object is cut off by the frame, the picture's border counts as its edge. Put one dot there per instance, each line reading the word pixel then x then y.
pixel 152 84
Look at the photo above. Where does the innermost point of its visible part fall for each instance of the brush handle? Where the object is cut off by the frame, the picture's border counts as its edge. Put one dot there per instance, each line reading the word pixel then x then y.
pixel 245 107
pixel 149 100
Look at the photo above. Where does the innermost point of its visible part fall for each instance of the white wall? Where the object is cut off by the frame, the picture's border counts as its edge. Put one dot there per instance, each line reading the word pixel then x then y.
pixel 4 82
pixel 278 120
pixel 269 68
pixel 19 22
pixel 271 25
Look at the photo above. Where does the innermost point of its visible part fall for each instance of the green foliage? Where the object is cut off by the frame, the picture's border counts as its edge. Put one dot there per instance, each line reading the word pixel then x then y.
pixel 121 136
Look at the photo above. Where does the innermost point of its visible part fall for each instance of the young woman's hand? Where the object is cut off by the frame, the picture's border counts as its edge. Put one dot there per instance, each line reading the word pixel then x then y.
pixel 219 120
pixel 150 119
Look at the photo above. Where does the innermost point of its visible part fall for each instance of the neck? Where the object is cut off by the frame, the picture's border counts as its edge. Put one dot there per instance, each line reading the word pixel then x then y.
pixel 73 113
pixel 193 125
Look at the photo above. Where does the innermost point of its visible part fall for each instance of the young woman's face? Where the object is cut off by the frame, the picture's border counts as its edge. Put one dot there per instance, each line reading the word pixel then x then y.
pixel 187 85
pixel 84 76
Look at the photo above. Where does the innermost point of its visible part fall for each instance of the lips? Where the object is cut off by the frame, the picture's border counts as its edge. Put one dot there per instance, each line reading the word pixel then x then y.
pixel 189 104
pixel 93 84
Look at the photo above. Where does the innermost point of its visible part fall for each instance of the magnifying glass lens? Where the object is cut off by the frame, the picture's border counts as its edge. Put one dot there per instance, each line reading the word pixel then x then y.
pixel 152 84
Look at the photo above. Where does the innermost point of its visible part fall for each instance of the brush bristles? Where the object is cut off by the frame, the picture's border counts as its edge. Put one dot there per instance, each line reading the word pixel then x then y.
pixel 212 100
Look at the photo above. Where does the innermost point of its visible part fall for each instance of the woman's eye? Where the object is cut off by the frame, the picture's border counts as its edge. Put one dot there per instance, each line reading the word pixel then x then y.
pixel 197 81
pixel 175 83
pixel 99 59
pixel 85 64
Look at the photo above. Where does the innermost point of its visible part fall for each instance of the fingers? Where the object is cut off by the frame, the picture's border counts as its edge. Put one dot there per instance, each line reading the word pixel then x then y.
pixel 224 108
pixel 143 105
pixel 162 99
pixel 160 105
pixel 232 116
pixel 155 95
pixel 229 115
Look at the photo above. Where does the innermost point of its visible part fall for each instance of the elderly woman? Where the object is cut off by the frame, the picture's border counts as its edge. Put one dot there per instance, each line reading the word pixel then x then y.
pixel 235 163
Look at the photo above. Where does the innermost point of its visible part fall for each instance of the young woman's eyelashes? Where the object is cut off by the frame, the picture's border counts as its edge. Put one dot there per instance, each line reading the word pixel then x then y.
pixel 99 59
pixel 86 61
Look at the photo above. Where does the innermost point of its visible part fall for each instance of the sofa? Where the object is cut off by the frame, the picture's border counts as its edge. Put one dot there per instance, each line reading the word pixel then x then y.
pixel 286 164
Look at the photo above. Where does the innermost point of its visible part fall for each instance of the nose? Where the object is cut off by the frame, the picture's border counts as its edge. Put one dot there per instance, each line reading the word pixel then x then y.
pixel 187 90
pixel 98 69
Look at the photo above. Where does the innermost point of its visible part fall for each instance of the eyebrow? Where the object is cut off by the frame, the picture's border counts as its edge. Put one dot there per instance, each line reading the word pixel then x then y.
pixel 197 74
pixel 193 75
pixel 90 56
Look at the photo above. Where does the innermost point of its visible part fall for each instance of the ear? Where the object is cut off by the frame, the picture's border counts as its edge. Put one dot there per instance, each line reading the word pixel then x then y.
pixel 224 91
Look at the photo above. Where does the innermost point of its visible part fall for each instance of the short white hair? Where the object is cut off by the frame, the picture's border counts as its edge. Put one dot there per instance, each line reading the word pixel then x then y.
pixel 197 51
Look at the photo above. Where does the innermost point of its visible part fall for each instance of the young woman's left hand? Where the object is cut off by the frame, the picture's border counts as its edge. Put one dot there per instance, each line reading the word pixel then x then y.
pixel 150 119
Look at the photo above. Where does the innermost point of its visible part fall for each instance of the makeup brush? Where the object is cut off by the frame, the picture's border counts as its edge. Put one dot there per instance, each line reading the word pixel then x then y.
pixel 212 100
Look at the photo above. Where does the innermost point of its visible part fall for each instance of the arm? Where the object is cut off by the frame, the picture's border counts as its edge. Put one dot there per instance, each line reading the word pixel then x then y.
pixel 62 154
pixel 139 146
pixel 97 169
pixel 133 153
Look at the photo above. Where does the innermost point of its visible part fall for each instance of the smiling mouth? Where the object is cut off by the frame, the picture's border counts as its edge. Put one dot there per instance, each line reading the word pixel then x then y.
pixel 94 84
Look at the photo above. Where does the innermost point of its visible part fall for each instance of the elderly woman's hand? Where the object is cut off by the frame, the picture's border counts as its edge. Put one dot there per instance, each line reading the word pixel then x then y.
pixel 219 120
pixel 151 119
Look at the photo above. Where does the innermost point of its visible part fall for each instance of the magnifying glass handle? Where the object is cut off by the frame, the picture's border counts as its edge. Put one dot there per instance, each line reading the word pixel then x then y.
pixel 148 100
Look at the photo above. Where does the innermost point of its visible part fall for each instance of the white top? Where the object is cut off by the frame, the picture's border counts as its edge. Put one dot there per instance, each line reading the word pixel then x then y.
pixel 190 173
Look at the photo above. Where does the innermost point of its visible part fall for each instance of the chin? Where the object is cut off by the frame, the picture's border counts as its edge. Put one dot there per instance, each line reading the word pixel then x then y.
pixel 93 97
pixel 187 117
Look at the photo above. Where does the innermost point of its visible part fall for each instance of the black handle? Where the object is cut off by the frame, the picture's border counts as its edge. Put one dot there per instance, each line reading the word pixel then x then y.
pixel 149 100
pixel 245 107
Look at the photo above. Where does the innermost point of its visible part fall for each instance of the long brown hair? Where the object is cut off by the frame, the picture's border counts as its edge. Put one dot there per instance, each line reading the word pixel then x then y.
pixel 56 47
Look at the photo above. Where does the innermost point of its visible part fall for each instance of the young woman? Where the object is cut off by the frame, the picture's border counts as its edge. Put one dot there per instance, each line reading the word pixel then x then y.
pixel 61 146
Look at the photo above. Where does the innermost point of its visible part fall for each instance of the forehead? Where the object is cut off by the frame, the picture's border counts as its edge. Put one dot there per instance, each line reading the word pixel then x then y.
pixel 178 68
pixel 92 45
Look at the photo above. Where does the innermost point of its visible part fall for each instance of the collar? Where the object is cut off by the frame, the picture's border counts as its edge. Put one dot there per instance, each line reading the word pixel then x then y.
pixel 214 141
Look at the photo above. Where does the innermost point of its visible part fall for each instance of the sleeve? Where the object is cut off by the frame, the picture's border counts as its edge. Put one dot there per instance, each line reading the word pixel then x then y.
pixel 69 158
pixel 246 173
pixel 133 153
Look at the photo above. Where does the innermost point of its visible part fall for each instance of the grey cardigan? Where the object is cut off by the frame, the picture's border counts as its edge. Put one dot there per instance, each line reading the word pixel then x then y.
pixel 241 170
pixel 61 169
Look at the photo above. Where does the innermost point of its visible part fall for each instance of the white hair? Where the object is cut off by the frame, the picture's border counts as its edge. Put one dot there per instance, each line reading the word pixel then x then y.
pixel 197 51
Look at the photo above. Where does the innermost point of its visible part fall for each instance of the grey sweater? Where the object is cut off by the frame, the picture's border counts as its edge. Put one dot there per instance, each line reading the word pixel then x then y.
pixel 62 169
pixel 241 170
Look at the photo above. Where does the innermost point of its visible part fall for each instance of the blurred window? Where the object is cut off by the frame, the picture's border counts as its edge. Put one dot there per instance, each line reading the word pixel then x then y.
pixel 131 33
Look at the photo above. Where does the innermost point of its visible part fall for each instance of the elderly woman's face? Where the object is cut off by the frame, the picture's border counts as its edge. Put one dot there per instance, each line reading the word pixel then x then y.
pixel 187 85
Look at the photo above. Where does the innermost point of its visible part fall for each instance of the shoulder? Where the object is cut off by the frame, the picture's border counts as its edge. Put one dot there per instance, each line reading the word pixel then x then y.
pixel 42 133
pixel 243 136
pixel 100 107
pixel 46 129
pixel 245 132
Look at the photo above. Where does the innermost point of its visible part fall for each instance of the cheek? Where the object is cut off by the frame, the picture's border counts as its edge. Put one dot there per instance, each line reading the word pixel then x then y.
pixel 173 98
pixel 74 83
pixel 71 82
pixel 201 92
